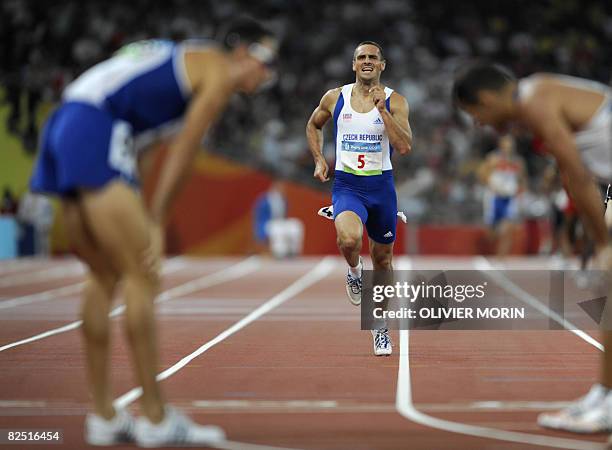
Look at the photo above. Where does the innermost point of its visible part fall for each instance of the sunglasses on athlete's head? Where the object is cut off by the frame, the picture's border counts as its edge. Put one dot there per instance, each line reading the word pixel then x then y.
pixel 263 54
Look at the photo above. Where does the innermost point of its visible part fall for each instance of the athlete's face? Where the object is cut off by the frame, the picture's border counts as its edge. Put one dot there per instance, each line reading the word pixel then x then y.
pixel 506 145
pixel 368 63
pixel 488 111
pixel 260 61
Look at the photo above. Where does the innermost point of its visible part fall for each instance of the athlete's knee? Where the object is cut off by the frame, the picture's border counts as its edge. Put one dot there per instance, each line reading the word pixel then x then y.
pixel 139 299
pixel 348 236
pixel 382 261
pixel 94 314
pixel 348 240
pixel 137 269
pixel 102 284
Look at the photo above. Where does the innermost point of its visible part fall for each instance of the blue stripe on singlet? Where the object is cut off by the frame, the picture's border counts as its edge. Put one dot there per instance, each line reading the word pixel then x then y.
pixel 388 105
pixel 337 109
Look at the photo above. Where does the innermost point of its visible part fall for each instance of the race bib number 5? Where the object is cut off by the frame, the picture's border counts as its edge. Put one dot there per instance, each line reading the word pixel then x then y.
pixel 122 154
pixel 362 158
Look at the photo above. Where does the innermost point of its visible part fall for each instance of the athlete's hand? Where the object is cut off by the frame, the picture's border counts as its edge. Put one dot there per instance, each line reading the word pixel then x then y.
pixel 321 170
pixel 603 258
pixel 599 278
pixel 152 256
pixel 378 97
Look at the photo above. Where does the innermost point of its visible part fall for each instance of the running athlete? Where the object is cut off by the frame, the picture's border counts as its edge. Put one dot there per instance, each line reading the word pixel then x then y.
pixel 573 117
pixel 88 158
pixel 503 173
pixel 370 121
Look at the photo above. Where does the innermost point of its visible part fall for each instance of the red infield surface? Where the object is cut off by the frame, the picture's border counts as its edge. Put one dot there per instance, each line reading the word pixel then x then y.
pixel 272 352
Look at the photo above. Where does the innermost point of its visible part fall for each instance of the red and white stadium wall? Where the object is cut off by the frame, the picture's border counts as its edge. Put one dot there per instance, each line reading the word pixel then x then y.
pixel 214 213
pixel 213 216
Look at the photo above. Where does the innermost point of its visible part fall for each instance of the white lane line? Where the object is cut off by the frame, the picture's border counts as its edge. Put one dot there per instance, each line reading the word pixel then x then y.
pixel 22 264
pixel 483 265
pixel 22 404
pixel 53 273
pixel 311 277
pixel 42 296
pixel 355 406
pixel 232 445
pixel 251 406
pixel 406 408
pixel 266 404
pixel 170 266
pixel 236 271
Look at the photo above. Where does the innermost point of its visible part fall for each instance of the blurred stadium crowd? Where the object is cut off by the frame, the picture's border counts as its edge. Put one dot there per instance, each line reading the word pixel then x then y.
pixel 43 45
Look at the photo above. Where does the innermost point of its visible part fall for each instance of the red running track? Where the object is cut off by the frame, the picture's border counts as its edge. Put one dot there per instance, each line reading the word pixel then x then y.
pixel 297 372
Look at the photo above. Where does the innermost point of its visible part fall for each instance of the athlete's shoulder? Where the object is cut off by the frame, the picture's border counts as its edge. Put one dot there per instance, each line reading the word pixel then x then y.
pixel 533 88
pixel 205 64
pixel 330 98
pixel 333 93
pixel 398 103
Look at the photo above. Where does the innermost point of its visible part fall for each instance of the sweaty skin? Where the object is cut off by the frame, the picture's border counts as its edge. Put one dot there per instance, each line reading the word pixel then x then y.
pixel 367 93
pixel 554 112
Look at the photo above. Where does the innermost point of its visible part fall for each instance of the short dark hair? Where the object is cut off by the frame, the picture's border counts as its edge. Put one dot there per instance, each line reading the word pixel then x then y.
pixel 479 76
pixel 375 44
pixel 241 31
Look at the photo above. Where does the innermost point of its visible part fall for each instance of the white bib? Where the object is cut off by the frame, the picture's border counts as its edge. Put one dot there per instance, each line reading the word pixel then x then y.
pixel 362 144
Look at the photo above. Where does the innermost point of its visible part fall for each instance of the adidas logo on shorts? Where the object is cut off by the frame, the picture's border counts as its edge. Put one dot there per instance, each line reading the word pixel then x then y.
pixel 388 235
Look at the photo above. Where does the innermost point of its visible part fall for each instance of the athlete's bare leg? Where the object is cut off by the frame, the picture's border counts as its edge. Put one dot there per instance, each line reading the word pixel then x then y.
pixel 382 255
pixel 382 262
pixel 605 263
pixel 606 376
pixel 118 222
pixel 97 295
pixel 349 232
pixel 504 238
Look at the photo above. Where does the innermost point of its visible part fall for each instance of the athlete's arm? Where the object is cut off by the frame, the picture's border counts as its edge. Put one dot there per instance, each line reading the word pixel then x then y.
pixel 212 93
pixel 314 132
pixel 396 123
pixel 543 116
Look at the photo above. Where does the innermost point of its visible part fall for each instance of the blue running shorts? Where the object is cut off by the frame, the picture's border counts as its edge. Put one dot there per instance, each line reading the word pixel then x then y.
pixel 83 147
pixel 372 198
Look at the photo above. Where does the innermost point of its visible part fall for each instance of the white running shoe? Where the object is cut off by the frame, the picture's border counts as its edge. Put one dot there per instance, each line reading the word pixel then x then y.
pixel 353 287
pixel 589 414
pixel 176 430
pixel 382 342
pixel 118 430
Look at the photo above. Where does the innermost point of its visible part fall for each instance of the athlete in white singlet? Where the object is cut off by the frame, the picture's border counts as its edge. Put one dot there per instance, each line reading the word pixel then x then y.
pixel 572 118
pixel 370 122
pixel 503 174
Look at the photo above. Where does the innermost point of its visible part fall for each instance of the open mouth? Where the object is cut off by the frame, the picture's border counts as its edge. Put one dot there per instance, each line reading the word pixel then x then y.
pixel 367 69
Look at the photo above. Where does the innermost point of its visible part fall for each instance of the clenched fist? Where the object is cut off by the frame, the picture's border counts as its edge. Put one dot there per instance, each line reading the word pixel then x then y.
pixel 378 97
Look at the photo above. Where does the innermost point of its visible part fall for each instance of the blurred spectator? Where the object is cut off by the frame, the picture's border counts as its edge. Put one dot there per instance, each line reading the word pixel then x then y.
pixel 9 203
pixel 272 230
pixel 43 45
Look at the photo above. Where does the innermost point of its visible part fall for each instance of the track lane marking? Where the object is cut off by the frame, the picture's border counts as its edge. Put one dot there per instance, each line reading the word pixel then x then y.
pixel 171 265
pixel 314 275
pixel 483 265
pixel 235 271
pixel 317 273
pixel 406 408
